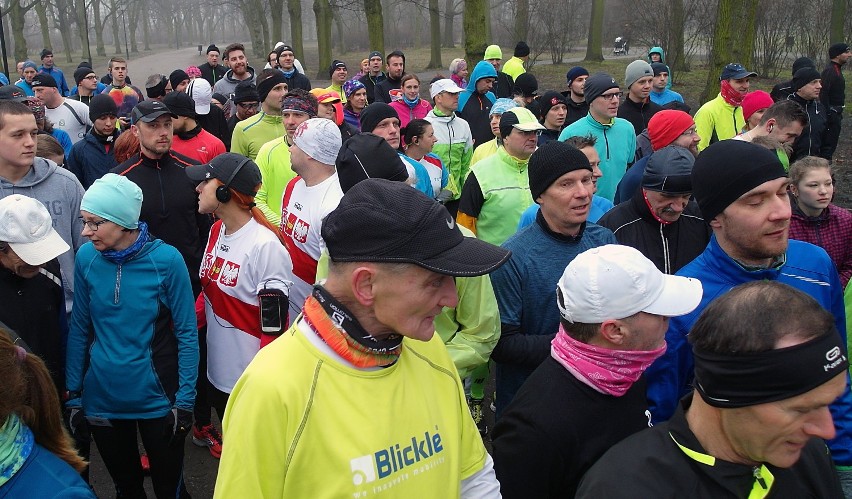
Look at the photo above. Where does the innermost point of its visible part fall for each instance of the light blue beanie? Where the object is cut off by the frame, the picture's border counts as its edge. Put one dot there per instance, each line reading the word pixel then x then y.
pixel 502 105
pixel 115 198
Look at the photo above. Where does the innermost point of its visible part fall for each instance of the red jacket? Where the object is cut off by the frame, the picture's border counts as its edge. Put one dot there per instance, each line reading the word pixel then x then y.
pixel 202 146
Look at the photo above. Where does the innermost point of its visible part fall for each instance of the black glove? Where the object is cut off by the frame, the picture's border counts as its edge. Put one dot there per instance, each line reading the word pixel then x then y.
pixel 75 419
pixel 178 424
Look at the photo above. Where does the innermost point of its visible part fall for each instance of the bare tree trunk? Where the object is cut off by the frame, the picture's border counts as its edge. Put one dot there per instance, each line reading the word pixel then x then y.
pixel 375 24
pixel 276 8
pixel 134 24
pixel 63 19
pixel 594 51
pixel 82 26
pixel 115 26
pixel 449 16
pixel 322 13
pixel 294 8
pixel 473 22
pixel 98 28
pixel 675 54
pixel 435 36
pixel 522 19
pixel 17 14
pixel 733 41
pixel 838 15
pixel 146 28
pixel 341 30
pixel 41 12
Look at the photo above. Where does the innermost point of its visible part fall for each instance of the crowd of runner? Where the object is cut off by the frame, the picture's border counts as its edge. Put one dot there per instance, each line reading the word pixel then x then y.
pixel 337 271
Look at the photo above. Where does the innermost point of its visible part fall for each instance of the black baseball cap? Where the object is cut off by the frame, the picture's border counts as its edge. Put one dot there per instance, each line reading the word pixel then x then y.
pixel 180 103
pixel 234 170
pixel 149 110
pixel 43 80
pixel 13 93
pixel 381 220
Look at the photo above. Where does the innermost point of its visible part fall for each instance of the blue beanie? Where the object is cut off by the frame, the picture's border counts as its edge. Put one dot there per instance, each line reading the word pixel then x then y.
pixel 575 73
pixel 114 198
pixel 29 64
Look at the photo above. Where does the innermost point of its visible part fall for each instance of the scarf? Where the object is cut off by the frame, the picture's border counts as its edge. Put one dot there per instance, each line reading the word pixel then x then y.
pixel 288 74
pixel 336 326
pixel 611 372
pixel 410 103
pixel 16 444
pixel 190 134
pixel 731 96
pixel 121 256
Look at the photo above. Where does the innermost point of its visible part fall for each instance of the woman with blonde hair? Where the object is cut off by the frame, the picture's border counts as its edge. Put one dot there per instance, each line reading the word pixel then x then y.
pixel 37 456
pixel 815 219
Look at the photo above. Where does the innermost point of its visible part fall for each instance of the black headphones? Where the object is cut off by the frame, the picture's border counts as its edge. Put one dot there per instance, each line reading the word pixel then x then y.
pixel 223 194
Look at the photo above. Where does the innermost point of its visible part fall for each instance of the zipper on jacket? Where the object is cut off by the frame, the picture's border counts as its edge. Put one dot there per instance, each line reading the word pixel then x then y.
pixel 117 290
pixel 606 141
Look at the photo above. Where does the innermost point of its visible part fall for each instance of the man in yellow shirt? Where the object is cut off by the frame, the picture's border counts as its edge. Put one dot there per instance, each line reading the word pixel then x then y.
pixel 359 398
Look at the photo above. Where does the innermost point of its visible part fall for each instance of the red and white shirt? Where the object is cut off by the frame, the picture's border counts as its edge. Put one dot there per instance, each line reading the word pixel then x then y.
pixel 302 210
pixel 235 268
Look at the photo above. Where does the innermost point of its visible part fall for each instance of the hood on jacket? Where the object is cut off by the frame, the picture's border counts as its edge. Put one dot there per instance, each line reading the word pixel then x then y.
pixel 483 69
pixel 441 119
pixel 229 75
pixel 42 168
pixel 657 50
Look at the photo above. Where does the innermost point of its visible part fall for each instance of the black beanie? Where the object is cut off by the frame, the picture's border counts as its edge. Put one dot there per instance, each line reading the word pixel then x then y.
pixel 265 86
pixel 728 169
pixel 373 114
pixel 551 161
pixel 596 85
pixel 80 74
pixel 803 62
pixel 85 64
pixel 548 100
pixel 158 90
pixel 177 76
pixel 526 85
pixel 522 49
pixel 102 105
pixel 334 65
pixel 366 155
pixel 837 49
pixel 803 77
pixel 212 48
pixel 246 91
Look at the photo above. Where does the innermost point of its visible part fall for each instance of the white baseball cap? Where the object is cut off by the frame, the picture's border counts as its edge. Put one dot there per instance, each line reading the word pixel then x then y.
pixel 26 225
pixel 615 282
pixel 445 85
pixel 202 93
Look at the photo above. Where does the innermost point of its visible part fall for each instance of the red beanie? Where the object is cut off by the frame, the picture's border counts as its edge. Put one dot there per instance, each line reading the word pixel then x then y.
pixel 754 101
pixel 666 126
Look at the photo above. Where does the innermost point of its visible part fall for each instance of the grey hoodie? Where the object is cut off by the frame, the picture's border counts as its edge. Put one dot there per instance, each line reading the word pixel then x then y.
pixel 61 193
pixel 228 84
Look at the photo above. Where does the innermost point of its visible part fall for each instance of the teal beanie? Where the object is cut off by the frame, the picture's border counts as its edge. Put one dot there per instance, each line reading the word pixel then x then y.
pixel 114 198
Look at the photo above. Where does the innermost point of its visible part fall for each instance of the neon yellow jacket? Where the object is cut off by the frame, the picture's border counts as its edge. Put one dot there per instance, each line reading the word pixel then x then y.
pixel 273 159
pixel 717 120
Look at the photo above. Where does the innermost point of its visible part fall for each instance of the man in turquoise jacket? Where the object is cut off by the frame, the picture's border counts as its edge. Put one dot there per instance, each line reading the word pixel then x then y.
pixel 616 139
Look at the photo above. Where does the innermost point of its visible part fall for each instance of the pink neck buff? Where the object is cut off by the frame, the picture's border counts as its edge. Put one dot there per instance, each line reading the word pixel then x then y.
pixel 651 209
pixel 731 95
pixel 611 372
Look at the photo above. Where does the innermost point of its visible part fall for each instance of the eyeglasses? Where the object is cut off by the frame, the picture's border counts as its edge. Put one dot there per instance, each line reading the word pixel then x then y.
pixel 612 96
pixel 689 132
pixel 93 77
pixel 248 105
pixel 93 226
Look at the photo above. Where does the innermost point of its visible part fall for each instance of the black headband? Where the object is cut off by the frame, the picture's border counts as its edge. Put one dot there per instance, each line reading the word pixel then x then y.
pixel 743 380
